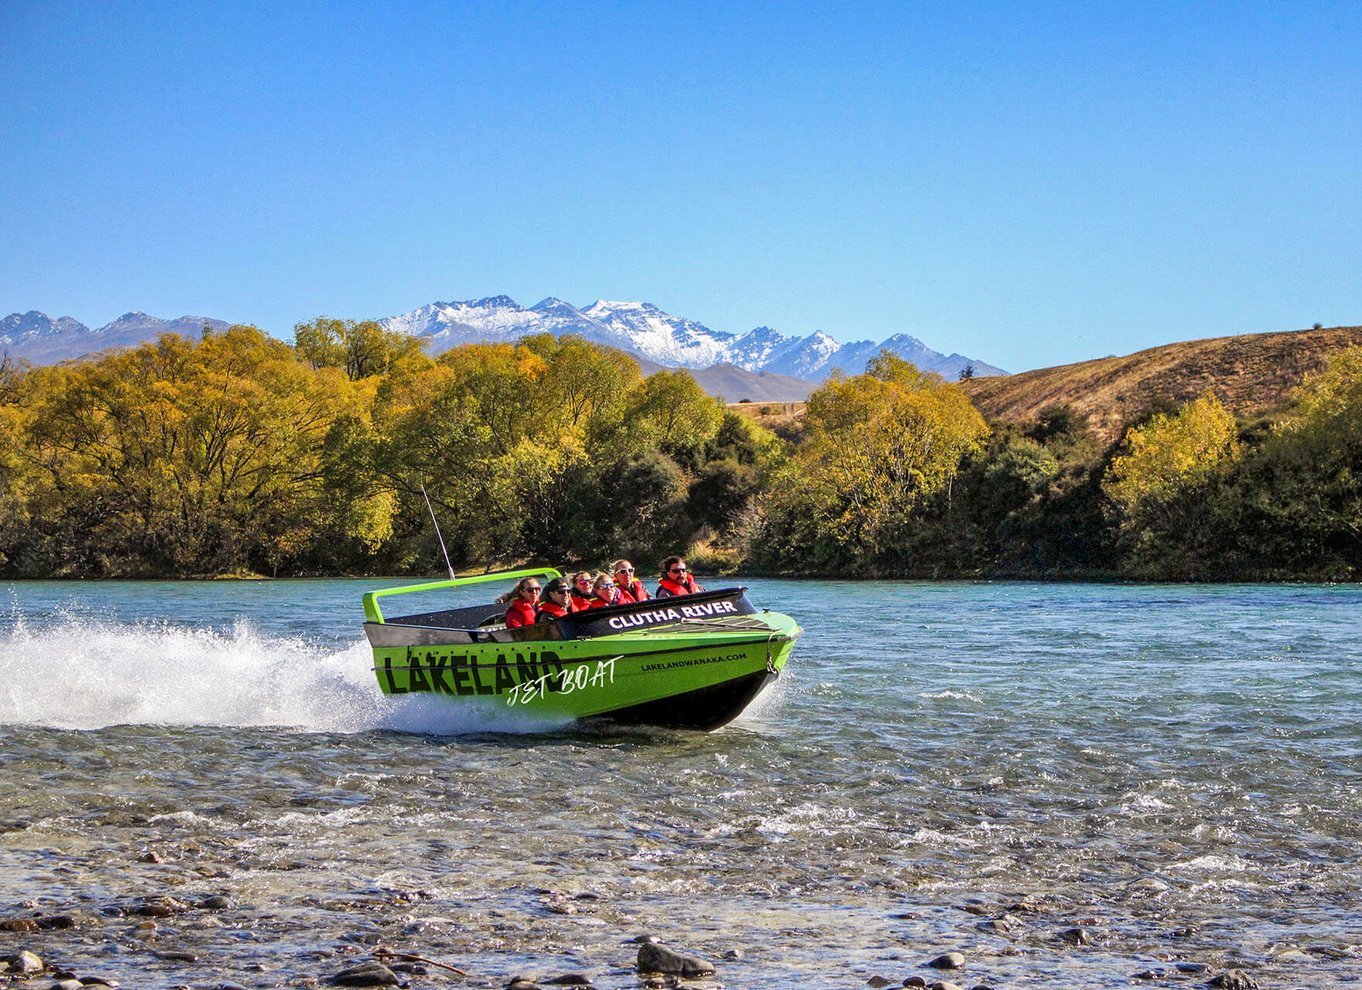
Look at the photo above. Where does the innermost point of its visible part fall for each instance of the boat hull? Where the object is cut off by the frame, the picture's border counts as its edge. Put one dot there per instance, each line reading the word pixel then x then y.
pixel 696 678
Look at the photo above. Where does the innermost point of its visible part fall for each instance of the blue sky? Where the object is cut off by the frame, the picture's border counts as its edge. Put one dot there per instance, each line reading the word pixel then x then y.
pixel 1028 184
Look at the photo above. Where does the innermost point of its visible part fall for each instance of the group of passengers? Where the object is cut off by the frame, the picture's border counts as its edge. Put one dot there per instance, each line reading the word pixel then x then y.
pixel 529 603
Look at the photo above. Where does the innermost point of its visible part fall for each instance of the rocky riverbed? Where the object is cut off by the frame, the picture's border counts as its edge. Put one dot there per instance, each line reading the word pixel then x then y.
pixel 205 934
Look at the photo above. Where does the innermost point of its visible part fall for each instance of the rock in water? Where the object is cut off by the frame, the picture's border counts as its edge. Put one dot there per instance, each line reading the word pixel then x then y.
pixel 370 974
pixel 1233 980
pixel 951 960
pixel 653 958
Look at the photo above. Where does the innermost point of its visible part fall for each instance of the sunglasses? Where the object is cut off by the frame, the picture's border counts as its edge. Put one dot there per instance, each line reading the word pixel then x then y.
pixel 625 570
pixel 533 587
pixel 677 570
pixel 584 581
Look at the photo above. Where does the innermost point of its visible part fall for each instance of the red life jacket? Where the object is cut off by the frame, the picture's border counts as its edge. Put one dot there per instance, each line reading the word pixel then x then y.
pixel 521 613
pixel 675 588
pixel 634 589
pixel 551 610
pixel 622 597
pixel 580 602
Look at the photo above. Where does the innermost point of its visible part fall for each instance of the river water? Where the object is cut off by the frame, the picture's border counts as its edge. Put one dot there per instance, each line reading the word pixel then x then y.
pixel 1071 785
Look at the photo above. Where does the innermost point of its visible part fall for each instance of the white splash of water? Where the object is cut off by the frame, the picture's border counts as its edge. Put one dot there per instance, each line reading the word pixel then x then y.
pixel 79 673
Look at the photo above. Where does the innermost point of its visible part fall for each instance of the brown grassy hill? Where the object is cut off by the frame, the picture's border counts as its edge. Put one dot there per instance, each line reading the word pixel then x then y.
pixel 1250 374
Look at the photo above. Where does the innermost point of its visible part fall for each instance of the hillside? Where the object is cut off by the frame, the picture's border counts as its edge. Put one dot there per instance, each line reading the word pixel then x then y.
pixel 1249 373
pixel 733 384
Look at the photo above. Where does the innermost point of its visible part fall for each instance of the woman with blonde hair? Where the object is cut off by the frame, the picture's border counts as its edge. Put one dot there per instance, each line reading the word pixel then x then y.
pixel 626 582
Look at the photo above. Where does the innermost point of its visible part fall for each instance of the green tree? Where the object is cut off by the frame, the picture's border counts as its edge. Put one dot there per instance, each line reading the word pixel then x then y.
pixel 359 348
pixel 1295 507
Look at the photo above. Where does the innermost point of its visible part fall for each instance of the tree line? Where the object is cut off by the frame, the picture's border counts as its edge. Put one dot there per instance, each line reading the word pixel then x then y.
pixel 243 454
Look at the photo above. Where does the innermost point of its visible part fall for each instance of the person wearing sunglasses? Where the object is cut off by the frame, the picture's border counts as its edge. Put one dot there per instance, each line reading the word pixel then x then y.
pixel 676 579
pixel 604 592
pixel 522 598
pixel 581 591
pixel 626 582
pixel 557 601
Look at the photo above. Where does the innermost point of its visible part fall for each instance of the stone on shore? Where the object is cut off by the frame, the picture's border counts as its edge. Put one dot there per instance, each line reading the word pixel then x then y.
pixel 655 958
pixel 25 963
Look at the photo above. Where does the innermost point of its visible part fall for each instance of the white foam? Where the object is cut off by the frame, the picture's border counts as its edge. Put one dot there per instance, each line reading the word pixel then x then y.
pixel 948 695
pixel 79 673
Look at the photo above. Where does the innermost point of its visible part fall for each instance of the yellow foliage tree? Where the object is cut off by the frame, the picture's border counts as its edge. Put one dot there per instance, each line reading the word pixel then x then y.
pixel 877 445
pixel 191 457
pixel 1170 455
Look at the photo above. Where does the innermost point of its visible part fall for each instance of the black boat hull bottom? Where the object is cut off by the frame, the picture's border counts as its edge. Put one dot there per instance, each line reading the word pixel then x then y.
pixel 704 709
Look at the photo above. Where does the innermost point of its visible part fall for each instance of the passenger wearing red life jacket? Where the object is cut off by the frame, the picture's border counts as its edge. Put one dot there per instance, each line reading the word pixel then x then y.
pixel 604 592
pixel 522 601
pixel 581 591
pixel 626 582
pixel 676 580
pixel 556 603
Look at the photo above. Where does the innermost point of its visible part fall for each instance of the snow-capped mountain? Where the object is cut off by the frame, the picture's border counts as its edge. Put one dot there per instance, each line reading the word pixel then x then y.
pixel 638 327
pixel 34 325
pixel 38 338
pixel 671 341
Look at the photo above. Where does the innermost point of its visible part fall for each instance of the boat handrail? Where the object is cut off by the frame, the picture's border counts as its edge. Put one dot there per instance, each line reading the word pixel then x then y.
pixel 373 613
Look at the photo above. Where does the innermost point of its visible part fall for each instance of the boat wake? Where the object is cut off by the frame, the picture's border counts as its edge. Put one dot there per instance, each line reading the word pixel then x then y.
pixel 84 673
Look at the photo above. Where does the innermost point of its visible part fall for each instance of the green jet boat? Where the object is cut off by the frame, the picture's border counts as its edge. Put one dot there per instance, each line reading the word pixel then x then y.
pixel 691 662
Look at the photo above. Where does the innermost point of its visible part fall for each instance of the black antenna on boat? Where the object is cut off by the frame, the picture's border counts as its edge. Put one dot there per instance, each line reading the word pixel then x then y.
pixel 431 510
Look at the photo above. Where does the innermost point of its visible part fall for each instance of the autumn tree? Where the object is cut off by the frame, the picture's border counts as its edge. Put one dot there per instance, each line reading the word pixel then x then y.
pixel 1296 502
pixel 177 457
pixel 877 446
pixel 1170 454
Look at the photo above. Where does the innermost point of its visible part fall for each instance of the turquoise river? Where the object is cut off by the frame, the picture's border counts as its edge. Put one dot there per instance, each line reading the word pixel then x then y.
pixel 1069 785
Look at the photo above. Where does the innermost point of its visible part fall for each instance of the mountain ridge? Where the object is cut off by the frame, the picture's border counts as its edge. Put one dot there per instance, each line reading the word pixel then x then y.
pixel 761 364
pixel 39 339
pixel 645 329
